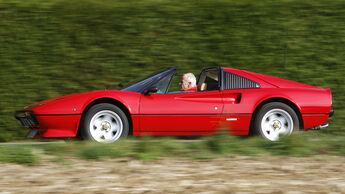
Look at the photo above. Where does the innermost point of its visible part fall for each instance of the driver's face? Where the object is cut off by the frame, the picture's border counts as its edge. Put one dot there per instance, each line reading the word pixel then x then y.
pixel 184 84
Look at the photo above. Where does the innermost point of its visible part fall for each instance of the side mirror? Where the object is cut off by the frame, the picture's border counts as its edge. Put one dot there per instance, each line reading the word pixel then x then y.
pixel 150 90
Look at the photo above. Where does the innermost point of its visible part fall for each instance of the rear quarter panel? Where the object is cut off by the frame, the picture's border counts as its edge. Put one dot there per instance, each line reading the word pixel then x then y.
pixel 314 104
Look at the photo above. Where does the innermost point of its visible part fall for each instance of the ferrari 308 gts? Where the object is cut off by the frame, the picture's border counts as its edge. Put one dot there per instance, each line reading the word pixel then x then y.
pixel 239 101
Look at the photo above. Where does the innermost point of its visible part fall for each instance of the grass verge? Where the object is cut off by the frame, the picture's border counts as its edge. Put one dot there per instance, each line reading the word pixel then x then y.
pixel 19 155
pixel 150 148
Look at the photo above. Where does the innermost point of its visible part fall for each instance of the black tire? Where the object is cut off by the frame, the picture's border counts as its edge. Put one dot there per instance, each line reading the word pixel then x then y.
pixel 278 118
pixel 112 116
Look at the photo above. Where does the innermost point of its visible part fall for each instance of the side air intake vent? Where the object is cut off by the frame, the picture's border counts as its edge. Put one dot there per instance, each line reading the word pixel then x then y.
pixel 233 81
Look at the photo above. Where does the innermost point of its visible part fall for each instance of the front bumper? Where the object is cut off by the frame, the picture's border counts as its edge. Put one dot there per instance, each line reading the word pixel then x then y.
pixel 28 119
pixel 50 125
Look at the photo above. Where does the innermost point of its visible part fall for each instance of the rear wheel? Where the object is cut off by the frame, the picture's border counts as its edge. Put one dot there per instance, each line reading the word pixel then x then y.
pixel 104 123
pixel 275 119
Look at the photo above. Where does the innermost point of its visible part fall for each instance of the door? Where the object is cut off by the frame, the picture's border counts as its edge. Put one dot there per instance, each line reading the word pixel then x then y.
pixel 181 112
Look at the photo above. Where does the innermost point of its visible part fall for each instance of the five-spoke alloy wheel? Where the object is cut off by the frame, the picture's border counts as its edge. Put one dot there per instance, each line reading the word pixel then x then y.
pixel 275 119
pixel 104 123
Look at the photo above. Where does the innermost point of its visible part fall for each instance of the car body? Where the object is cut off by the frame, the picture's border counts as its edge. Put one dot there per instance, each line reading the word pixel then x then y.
pixel 232 100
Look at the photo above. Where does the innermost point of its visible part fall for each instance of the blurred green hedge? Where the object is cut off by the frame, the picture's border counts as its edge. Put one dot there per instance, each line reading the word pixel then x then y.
pixel 51 48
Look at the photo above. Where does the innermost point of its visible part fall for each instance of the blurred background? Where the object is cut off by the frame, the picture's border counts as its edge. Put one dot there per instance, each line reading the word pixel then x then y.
pixel 53 48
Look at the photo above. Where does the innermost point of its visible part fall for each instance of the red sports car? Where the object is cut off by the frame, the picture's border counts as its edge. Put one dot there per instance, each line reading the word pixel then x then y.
pixel 240 101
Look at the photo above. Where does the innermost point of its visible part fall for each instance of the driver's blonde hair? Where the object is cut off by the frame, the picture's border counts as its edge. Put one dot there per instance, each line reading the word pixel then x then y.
pixel 190 77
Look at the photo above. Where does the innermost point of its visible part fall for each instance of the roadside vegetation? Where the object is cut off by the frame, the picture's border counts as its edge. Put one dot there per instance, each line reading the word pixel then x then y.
pixel 53 48
pixel 148 148
pixel 19 155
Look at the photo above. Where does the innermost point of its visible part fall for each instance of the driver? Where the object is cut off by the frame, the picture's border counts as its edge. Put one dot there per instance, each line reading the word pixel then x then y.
pixel 188 83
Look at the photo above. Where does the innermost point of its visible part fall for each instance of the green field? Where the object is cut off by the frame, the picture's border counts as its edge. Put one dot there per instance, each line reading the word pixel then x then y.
pixel 52 48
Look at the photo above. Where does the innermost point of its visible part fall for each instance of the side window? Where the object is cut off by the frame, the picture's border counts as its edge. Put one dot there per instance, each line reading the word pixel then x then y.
pixel 233 81
pixel 211 83
pixel 209 80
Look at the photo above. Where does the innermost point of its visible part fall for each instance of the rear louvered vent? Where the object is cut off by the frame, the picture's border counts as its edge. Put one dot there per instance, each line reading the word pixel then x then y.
pixel 233 81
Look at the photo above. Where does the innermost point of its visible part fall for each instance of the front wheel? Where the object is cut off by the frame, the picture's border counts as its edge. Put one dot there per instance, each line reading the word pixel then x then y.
pixel 275 119
pixel 104 123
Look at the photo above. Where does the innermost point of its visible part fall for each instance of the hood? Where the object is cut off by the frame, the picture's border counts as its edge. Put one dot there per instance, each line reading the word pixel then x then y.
pixel 76 103
pixel 37 104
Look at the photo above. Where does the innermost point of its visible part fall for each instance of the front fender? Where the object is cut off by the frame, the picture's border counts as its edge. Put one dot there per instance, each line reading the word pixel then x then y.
pixel 77 103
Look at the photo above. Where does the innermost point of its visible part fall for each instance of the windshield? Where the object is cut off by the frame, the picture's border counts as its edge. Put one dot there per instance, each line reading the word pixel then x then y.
pixel 140 84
